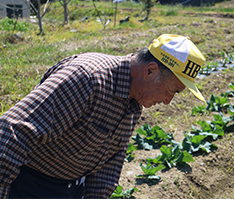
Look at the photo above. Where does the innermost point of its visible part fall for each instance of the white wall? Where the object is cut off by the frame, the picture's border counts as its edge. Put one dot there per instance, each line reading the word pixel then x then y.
pixel 3 9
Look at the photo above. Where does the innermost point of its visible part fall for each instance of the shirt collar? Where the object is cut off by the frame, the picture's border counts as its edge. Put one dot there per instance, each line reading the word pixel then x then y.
pixel 123 78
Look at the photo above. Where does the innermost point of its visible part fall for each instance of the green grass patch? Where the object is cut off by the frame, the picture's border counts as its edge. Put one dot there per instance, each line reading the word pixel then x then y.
pixel 13 24
pixel 23 63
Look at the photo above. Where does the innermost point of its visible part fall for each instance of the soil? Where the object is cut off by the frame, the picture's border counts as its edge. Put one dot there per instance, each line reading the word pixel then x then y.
pixel 211 176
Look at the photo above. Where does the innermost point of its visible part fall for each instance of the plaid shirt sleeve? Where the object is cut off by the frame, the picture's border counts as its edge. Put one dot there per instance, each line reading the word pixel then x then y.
pixel 101 185
pixel 59 112
pixel 42 116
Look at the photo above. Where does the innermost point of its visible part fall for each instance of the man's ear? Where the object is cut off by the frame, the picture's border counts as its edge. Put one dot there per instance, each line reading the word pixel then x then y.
pixel 150 69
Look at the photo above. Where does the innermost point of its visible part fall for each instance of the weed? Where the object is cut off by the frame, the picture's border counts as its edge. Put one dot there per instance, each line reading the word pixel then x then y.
pixel 192 191
pixel 176 181
pixel 4 107
pixel 181 106
pixel 9 24
pixel 156 114
pixel 164 185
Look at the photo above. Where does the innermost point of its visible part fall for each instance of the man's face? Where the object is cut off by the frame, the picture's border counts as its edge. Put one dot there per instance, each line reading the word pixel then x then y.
pixel 159 89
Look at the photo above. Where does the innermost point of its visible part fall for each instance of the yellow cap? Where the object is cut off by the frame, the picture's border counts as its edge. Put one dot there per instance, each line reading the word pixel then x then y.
pixel 181 56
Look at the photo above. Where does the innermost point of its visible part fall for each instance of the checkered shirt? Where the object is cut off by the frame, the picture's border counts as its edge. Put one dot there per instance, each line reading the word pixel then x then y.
pixel 76 122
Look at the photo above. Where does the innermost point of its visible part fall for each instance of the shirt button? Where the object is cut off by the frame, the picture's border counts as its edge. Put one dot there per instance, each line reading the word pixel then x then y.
pixel 69 185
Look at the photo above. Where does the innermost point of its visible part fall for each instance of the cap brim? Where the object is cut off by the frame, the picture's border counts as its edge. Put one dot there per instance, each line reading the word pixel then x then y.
pixel 191 86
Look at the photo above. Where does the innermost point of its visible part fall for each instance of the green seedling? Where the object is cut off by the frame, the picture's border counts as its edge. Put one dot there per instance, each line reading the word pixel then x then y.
pixel 198 109
pixel 229 93
pixel 199 139
pixel 209 129
pixel 217 103
pixel 231 85
pixel 196 143
pixel 231 110
pixel 210 66
pixel 223 121
pixel 153 137
pixel 129 158
pixel 176 181
pixel 227 59
pixel 130 149
pixel 171 157
pixel 150 172
pixel 126 194
pixel 143 143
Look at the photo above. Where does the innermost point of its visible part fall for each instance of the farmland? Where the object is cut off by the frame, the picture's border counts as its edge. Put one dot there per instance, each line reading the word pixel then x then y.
pixel 23 62
pixel 211 176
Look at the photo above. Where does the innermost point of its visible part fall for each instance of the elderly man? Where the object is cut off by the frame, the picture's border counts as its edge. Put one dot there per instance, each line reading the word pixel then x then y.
pixel 68 137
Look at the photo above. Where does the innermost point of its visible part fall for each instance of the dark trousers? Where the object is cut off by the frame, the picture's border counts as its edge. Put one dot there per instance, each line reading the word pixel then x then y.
pixel 32 184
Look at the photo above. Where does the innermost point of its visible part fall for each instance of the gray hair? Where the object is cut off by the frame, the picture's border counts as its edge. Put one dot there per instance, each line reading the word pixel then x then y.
pixel 144 57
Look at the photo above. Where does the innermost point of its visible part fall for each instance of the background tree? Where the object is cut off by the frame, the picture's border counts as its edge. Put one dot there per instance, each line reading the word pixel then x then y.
pixel 35 7
pixel 65 3
pixel 147 5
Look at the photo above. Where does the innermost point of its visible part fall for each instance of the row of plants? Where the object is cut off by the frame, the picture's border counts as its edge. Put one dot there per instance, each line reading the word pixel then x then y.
pixel 216 103
pixel 174 153
pixel 209 67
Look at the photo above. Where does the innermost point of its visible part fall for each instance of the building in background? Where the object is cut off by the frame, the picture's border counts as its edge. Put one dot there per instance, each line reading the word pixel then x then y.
pixel 13 9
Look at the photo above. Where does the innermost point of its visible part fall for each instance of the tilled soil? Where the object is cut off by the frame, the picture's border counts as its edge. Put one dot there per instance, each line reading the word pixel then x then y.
pixel 211 176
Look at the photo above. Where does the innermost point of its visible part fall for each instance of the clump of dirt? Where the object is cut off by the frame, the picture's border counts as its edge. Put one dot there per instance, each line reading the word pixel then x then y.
pixel 211 176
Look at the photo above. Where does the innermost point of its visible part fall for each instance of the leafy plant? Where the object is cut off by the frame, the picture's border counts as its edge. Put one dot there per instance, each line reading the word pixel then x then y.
pixel 217 103
pixel 126 194
pixel 143 143
pixel 229 93
pixel 210 66
pixel 153 137
pixel 172 156
pixel 11 24
pixel 130 149
pixel 129 158
pixel 198 109
pixel 196 143
pixel 208 129
pixel 227 59
pixel 231 110
pixel 223 121
pixel 150 171
pixel 199 139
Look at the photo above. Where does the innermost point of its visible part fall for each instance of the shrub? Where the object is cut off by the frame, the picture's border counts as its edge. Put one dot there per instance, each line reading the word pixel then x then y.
pixel 8 24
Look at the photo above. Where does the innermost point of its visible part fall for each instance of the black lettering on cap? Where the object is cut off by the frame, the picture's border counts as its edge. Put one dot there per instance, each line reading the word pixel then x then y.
pixel 191 69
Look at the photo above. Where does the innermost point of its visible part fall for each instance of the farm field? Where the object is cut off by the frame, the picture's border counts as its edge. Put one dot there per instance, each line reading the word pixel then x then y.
pixel 24 60
pixel 211 176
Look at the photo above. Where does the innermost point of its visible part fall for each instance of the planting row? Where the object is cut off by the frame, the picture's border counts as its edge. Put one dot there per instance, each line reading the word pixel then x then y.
pixel 175 153
pixel 213 67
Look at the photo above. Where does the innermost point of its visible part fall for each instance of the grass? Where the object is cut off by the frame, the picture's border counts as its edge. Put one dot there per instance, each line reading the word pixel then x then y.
pixel 22 63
